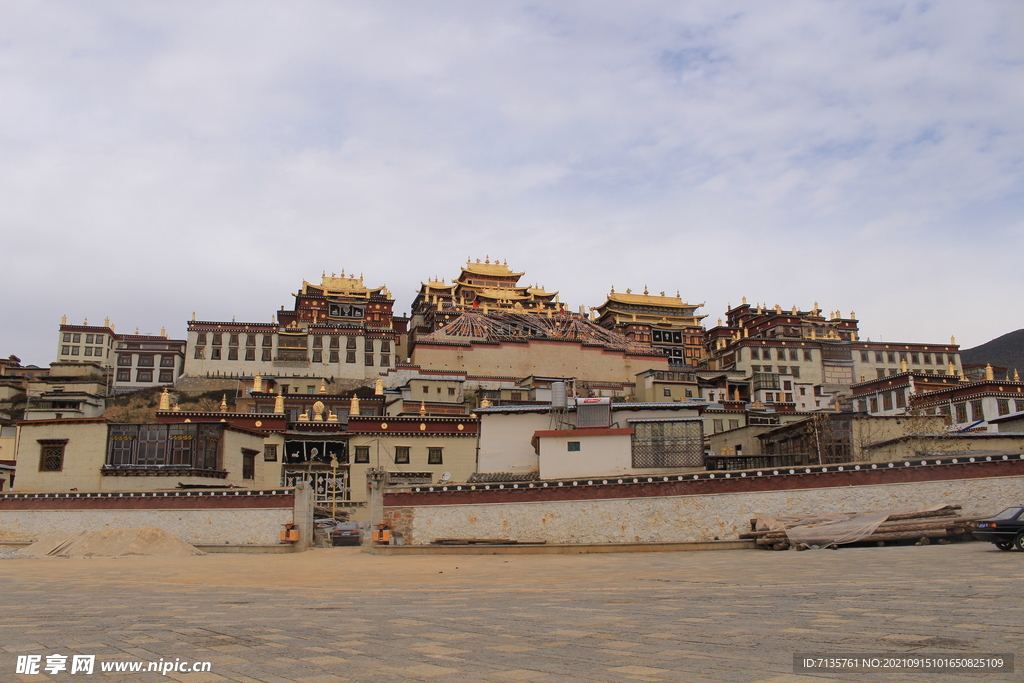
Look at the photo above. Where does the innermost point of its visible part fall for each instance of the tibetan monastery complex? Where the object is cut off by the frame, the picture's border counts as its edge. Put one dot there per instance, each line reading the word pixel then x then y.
pixel 488 379
pixel 491 332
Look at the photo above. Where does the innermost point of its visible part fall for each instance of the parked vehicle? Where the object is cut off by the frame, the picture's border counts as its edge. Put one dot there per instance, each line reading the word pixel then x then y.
pixel 346 533
pixel 1006 529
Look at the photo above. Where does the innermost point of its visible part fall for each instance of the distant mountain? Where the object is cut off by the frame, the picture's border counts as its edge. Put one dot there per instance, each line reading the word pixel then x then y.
pixel 1006 351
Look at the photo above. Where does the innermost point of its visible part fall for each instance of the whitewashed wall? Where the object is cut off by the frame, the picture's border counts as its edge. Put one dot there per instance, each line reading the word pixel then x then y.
pixel 690 518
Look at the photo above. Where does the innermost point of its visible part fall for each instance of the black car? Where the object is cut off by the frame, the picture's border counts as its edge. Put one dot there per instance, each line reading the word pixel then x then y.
pixel 346 533
pixel 1006 529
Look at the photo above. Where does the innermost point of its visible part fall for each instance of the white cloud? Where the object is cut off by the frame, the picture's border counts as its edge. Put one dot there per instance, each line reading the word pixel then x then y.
pixel 157 159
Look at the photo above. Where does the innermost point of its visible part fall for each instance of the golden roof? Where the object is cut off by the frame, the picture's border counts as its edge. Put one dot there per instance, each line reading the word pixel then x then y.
pixel 650 300
pixel 492 269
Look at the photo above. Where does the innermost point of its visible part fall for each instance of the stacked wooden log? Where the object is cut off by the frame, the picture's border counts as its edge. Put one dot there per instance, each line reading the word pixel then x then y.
pixel 942 525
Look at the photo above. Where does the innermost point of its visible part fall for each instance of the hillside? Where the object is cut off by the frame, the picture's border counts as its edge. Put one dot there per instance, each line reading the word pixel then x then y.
pixel 1006 351
pixel 140 406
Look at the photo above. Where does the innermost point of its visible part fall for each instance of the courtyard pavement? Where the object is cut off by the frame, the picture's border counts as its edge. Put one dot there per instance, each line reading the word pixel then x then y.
pixel 338 614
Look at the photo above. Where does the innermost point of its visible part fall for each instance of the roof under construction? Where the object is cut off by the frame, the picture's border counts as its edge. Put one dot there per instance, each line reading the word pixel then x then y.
pixel 501 326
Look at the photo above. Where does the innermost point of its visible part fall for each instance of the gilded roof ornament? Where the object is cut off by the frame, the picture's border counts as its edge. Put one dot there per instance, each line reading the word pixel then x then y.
pixel 223 403
pixel 64 320
pixel 353 406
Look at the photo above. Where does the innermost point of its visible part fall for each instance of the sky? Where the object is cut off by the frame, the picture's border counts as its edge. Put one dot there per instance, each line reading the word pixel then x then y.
pixel 159 159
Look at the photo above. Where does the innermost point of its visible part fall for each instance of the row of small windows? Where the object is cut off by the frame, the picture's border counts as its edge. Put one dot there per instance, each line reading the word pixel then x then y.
pixel 969 411
pixel 76 338
pixel 96 351
pixel 674 337
pixel 888 372
pixel 793 370
pixel 780 354
pixel 403 455
pixel 912 358
pixel 217 339
pixel 125 375
pixel 145 361
pixel 300 356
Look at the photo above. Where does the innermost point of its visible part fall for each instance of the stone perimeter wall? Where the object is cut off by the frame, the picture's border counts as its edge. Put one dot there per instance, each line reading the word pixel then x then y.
pixel 687 518
pixel 234 518
pixel 259 526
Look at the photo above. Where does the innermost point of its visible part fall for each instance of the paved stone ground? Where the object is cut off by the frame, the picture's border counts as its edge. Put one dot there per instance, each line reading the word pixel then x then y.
pixel 338 614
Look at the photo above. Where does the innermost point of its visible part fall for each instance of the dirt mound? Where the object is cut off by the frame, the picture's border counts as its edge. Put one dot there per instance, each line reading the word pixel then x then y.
pixel 111 543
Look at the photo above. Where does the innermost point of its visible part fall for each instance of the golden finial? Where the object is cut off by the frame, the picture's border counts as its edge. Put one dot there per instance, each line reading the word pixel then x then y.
pixel 378 387
pixel 853 315
pixel 1016 376
pixel 257 384
pixel 163 332
pixel 223 401
pixel 485 403
pixel 165 400
pixel 323 386
pixel 744 301
pixel 678 295
pixel 106 322
pixel 629 291
pixel 719 322
pixel 645 290
pixel 423 407
pixel 989 374
pixel 903 364
pixel 136 329
pixel 952 340
pixel 353 406
pixel 279 403
pixel 793 310
pixel 487 259
pixel 613 289
pixel 64 319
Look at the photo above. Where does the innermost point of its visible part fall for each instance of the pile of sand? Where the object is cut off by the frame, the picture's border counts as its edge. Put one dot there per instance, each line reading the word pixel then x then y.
pixel 146 540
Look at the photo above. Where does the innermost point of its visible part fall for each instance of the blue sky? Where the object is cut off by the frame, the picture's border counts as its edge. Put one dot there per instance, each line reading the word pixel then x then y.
pixel 162 158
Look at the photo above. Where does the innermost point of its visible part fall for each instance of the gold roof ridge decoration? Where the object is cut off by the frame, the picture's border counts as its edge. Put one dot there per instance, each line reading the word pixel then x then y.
pixel 489 268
